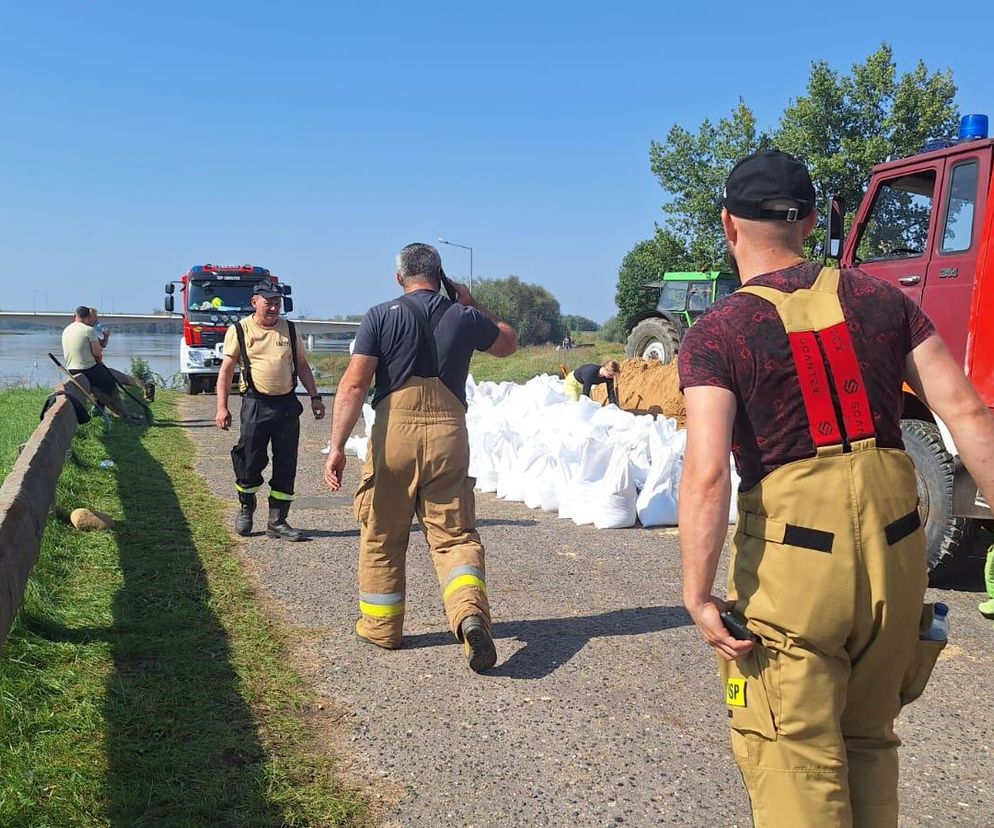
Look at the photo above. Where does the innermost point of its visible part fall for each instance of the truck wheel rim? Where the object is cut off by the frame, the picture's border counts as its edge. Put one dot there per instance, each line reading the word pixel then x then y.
pixel 654 350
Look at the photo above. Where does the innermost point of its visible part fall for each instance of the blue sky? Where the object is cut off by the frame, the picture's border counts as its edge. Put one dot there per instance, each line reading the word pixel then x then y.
pixel 317 138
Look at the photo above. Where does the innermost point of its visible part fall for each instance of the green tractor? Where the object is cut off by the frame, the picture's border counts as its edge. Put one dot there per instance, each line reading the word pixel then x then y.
pixel 683 297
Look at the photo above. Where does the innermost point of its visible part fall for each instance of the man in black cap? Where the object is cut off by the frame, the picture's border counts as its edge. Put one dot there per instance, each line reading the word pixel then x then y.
pixel 800 374
pixel 271 355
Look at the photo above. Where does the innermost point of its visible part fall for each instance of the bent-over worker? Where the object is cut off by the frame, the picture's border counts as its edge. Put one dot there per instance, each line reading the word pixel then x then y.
pixel 581 380
pixel 271 354
pixel 800 372
pixel 418 346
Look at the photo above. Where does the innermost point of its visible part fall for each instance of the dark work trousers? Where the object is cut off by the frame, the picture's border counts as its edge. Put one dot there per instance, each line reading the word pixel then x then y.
pixel 266 420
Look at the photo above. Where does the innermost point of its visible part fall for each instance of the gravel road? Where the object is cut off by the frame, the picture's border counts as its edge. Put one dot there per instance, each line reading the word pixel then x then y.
pixel 605 707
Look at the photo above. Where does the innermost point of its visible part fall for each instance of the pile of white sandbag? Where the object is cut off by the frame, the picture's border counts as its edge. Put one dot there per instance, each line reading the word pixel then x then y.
pixel 593 464
pixel 530 443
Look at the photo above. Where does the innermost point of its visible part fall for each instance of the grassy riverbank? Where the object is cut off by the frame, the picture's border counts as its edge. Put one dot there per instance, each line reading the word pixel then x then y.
pixel 141 684
pixel 519 367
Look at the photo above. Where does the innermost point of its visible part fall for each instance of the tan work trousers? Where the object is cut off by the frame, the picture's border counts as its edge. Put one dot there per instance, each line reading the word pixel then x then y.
pixel 417 466
pixel 829 568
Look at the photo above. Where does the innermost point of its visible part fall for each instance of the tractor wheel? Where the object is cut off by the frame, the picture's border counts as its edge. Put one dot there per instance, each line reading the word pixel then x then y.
pixel 653 338
pixel 944 534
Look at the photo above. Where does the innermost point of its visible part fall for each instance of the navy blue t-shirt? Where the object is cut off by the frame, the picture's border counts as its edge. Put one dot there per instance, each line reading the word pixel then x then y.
pixel 390 333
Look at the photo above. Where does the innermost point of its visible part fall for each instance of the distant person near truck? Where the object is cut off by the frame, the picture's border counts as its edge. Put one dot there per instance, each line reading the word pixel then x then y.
pixel 580 382
pixel 271 354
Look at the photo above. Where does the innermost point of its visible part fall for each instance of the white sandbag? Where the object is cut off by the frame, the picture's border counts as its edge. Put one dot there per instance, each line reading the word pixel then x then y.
pixel 368 418
pixel 358 446
pixel 657 502
pixel 510 483
pixel 612 499
pixel 733 508
pixel 540 479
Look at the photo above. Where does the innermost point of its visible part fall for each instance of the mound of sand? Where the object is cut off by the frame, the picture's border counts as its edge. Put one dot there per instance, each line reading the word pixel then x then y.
pixel 648 387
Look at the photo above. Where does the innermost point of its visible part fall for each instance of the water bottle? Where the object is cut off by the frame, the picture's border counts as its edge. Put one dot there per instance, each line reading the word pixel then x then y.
pixel 939 631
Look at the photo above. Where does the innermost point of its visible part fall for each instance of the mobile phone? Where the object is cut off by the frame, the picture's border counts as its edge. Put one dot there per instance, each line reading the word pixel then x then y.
pixel 736 626
pixel 445 284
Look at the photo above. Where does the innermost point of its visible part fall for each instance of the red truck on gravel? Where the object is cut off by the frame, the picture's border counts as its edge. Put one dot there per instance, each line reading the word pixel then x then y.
pixel 926 225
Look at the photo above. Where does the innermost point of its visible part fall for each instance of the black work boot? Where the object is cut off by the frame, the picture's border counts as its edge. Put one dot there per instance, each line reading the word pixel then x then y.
pixel 246 508
pixel 477 644
pixel 277 526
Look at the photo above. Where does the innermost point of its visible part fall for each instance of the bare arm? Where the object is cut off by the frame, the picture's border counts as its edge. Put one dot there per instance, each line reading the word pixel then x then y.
pixel 224 377
pixel 349 397
pixel 939 382
pixel 705 490
pixel 97 350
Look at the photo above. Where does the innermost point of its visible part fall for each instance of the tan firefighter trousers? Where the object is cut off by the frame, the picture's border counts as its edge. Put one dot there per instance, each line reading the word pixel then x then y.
pixel 829 569
pixel 417 466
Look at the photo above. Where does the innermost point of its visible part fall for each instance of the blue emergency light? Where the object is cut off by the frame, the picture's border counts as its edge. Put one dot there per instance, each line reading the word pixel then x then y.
pixel 973 127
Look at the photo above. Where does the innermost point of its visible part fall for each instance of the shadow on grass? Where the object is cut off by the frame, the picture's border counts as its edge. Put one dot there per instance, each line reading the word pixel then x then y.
pixel 181 743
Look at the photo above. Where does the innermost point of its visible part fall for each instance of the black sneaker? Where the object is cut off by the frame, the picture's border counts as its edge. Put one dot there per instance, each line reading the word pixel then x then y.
pixel 477 644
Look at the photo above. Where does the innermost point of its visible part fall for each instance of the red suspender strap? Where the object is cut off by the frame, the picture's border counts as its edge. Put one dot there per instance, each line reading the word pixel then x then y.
pixel 849 383
pixel 814 387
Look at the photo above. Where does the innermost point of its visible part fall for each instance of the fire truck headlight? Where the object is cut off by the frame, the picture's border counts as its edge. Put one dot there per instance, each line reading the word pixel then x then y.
pixel 196 358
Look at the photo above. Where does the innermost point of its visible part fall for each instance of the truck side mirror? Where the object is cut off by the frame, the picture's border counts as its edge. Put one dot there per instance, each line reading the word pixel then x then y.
pixel 168 304
pixel 834 219
pixel 287 290
pixel 170 287
pixel 287 304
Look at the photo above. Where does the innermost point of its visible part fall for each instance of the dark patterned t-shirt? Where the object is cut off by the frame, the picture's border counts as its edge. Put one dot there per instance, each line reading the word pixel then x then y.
pixel 740 344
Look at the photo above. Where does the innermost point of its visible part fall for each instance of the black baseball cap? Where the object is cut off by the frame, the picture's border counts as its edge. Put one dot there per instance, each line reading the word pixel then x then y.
pixel 770 175
pixel 267 290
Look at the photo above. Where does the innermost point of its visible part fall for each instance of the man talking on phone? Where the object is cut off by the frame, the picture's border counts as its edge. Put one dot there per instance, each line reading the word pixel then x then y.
pixel 418 347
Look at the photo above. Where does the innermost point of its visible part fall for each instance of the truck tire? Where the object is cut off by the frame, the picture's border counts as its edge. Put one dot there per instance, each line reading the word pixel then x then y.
pixel 945 535
pixel 653 338
pixel 191 384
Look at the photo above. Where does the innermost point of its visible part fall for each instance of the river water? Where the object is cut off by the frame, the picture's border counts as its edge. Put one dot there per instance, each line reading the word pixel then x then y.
pixel 24 357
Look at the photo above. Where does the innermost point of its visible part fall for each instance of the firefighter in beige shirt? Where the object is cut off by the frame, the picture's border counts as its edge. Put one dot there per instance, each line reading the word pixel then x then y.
pixel 271 355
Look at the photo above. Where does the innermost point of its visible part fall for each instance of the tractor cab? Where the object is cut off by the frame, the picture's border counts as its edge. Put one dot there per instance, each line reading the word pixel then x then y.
pixel 690 294
pixel 683 297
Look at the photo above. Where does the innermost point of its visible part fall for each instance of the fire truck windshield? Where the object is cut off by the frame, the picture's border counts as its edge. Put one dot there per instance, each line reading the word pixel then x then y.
pixel 220 296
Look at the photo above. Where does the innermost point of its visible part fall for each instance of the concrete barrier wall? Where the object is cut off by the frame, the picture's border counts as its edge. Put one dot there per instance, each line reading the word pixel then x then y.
pixel 25 499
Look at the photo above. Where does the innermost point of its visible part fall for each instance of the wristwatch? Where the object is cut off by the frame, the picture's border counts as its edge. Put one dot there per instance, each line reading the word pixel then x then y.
pixel 317 397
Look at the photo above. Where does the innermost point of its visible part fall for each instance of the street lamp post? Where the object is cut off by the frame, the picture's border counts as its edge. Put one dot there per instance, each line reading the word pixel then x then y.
pixel 464 247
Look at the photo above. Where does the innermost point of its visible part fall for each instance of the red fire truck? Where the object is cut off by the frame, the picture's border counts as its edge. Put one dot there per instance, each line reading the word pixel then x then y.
pixel 926 225
pixel 212 298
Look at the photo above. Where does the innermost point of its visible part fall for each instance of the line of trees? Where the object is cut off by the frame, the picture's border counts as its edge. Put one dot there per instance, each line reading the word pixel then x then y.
pixel 841 126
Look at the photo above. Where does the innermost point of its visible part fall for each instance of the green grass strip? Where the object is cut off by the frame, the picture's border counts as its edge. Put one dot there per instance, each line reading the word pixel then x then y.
pixel 142 684
pixel 19 413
